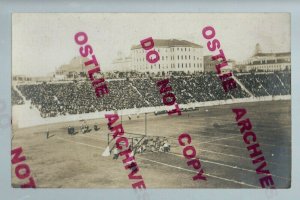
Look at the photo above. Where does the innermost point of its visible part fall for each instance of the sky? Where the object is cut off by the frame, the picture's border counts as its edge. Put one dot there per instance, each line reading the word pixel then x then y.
pixel 41 42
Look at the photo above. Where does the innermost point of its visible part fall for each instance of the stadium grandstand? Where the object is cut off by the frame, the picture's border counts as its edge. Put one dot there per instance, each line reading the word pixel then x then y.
pixel 16 98
pixel 77 97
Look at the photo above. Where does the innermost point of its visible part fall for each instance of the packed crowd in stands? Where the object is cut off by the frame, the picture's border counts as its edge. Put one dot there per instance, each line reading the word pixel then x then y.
pixel 267 84
pixel 16 99
pixel 53 99
pixel 147 88
pixel 78 97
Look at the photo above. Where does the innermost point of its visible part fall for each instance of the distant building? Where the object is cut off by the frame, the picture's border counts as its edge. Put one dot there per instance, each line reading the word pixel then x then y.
pixel 231 66
pixel 122 63
pixel 75 65
pixel 175 55
pixel 21 78
pixel 210 65
pixel 240 67
pixel 268 61
pixel 71 70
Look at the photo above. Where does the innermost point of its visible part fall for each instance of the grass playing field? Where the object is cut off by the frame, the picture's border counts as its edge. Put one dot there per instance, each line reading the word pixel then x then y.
pixel 76 161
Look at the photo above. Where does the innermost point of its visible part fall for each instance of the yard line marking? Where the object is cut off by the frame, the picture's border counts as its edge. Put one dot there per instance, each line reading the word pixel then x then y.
pixel 225 145
pixel 225 138
pixel 231 155
pixel 225 179
pixel 230 166
pixel 80 143
pixel 193 134
pixel 200 148
pixel 265 144
pixel 220 138
pixel 97 138
pixel 208 131
pixel 217 177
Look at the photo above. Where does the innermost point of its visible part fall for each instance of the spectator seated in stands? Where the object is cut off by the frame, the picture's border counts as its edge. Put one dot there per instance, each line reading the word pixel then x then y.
pixel 67 98
pixel 16 99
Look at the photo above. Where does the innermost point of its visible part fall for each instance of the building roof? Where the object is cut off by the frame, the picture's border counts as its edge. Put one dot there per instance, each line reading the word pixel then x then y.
pixel 273 54
pixel 170 43
pixel 75 65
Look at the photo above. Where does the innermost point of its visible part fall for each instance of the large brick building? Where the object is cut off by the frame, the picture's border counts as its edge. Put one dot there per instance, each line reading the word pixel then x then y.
pixel 175 55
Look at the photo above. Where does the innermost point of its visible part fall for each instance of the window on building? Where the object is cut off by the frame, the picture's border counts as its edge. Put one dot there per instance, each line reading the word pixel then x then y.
pixel 166 57
pixel 181 57
pixel 184 49
pixel 178 65
pixel 190 65
pixel 158 66
pixel 182 65
pixel 178 57
pixel 185 56
pixel 189 57
pixel 162 58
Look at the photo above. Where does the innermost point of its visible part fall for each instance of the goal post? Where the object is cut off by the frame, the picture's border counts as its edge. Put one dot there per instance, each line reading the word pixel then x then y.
pixel 134 139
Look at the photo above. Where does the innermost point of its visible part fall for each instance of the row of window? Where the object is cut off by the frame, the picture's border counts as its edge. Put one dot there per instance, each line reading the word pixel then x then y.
pixel 266 61
pixel 172 58
pixel 170 49
pixel 268 67
pixel 173 66
pixel 178 57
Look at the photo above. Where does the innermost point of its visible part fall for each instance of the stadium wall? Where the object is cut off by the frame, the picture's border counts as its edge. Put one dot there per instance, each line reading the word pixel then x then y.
pixel 21 113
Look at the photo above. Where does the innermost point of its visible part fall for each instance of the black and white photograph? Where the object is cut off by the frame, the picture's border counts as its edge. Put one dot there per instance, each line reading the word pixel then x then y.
pixel 151 100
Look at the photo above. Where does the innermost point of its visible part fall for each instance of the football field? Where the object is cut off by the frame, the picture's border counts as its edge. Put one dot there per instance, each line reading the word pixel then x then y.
pixel 75 161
